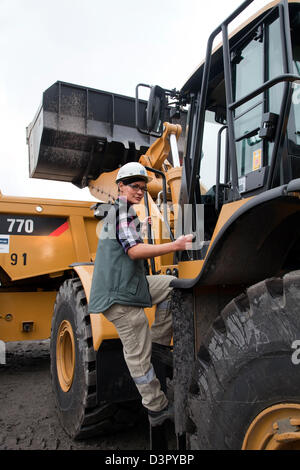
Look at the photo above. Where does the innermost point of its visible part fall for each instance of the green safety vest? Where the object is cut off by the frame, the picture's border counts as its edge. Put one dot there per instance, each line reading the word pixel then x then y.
pixel 117 279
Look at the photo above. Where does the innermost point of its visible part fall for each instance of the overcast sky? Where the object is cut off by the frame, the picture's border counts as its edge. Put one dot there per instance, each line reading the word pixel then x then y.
pixel 109 45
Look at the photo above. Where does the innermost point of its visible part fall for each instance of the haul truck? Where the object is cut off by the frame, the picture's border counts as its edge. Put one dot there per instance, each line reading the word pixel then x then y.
pixel 234 366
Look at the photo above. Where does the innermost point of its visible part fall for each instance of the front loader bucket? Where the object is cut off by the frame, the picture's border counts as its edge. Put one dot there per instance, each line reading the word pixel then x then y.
pixel 79 132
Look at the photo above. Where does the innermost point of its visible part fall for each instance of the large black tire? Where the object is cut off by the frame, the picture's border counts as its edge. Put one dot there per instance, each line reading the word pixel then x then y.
pixel 245 364
pixel 75 388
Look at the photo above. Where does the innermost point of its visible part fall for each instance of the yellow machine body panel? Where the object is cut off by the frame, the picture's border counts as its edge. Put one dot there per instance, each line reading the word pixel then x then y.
pixel 44 236
pixel 26 316
pixel 39 239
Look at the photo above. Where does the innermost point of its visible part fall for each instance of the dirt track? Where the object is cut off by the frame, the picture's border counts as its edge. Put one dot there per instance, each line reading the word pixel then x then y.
pixel 28 418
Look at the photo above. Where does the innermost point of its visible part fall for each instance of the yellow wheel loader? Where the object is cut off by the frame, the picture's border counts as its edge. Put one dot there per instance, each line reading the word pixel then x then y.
pixel 224 154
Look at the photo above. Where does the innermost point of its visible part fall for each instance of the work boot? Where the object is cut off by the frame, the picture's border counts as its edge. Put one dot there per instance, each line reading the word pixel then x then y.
pixel 156 418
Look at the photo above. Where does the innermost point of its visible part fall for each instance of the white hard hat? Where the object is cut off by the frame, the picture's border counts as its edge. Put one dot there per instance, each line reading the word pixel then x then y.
pixel 131 170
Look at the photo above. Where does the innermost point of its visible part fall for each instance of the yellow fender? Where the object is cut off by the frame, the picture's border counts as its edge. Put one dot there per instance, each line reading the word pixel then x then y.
pixel 102 329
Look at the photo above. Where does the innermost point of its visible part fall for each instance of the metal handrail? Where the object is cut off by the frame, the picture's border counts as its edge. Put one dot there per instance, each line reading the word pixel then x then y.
pixel 287 77
pixel 158 172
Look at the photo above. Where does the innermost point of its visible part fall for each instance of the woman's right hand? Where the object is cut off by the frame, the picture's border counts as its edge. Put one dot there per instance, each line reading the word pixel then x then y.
pixel 184 242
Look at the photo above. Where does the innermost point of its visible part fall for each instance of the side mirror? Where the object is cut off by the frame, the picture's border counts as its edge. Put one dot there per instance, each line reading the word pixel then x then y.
pixel 150 115
pixel 156 109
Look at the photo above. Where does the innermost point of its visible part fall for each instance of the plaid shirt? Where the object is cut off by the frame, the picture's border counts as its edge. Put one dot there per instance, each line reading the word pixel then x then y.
pixel 128 226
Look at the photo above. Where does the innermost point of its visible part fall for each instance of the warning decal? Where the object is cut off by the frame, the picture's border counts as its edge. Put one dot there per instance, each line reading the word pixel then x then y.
pixel 14 224
pixel 256 165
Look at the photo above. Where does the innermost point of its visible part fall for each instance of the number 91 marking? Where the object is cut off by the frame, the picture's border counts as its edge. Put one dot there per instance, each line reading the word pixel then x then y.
pixel 14 259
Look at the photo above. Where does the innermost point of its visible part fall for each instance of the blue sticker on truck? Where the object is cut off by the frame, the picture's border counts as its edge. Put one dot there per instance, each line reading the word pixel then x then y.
pixel 4 243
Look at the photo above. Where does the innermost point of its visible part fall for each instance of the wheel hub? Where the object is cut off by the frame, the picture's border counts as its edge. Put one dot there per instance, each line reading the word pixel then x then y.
pixel 65 355
pixel 275 428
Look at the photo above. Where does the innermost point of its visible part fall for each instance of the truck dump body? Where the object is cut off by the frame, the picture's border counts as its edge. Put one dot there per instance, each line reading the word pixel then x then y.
pixel 44 236
pixel 79 132
pixel 40 239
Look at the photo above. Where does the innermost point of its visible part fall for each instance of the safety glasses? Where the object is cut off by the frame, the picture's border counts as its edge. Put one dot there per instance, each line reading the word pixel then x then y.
pixel 137 187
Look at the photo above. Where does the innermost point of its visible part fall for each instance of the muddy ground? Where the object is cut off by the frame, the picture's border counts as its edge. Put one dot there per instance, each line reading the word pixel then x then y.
pixel 28 418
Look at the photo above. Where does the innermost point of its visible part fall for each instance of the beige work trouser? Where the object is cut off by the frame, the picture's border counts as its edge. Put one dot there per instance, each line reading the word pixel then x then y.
pixel 134 332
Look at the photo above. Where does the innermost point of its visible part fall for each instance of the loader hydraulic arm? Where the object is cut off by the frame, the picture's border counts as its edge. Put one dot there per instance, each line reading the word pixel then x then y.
pixel 160 149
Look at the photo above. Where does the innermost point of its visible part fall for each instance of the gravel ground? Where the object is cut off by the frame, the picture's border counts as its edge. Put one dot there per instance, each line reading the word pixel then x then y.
pixel 28 418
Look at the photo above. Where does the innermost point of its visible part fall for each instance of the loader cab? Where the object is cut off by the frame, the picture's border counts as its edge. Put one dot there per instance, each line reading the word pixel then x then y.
pixel 243 123
pixel 259 129
pixel 249 86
